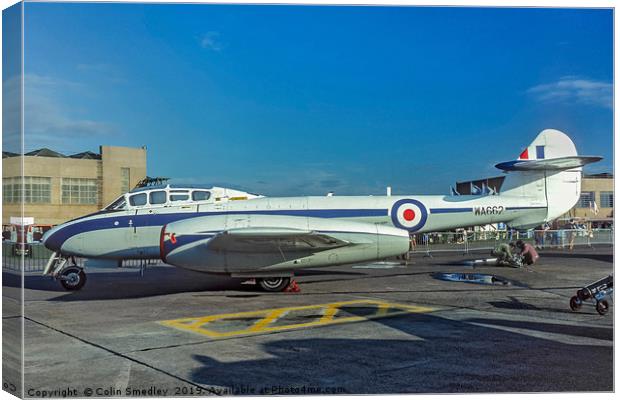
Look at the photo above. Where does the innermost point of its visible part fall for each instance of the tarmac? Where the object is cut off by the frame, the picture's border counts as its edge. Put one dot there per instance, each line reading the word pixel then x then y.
pixel 364 329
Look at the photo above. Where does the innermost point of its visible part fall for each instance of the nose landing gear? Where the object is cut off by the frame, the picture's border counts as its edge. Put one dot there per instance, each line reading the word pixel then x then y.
pixel 72 277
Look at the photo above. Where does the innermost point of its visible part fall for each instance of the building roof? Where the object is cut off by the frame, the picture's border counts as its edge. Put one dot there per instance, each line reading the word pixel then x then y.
pixel 7 154
pixel 86 155
pixel 45 152
pixel 603 175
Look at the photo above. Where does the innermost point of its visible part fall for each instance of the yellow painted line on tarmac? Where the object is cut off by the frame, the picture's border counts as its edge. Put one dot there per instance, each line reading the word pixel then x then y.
pixel 281 319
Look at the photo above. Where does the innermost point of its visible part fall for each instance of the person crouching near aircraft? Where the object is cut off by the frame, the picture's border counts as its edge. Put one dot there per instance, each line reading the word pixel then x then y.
pixel 503 252
pixel 528 253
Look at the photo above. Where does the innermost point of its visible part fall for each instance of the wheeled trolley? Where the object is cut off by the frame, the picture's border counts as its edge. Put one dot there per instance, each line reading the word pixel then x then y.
pixel 597 292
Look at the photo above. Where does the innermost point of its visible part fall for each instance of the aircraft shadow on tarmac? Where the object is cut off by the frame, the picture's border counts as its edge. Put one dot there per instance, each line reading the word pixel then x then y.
pixel 157 280
pixel 516 304
pixel 363 276
pixel 452 356
pixel 592 256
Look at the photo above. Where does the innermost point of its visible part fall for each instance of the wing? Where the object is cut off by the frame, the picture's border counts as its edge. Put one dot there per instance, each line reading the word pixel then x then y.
pixel 269 240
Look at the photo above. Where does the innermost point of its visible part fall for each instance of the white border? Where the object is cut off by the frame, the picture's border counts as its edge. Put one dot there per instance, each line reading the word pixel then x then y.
pixel 476 3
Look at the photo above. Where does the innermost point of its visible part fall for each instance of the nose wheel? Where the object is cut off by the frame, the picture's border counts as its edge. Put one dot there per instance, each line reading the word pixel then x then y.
pixel 72 278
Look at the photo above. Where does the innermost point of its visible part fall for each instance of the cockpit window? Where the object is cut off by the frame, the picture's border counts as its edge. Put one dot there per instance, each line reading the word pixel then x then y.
pixel 179 197
pixel 198 195
pixel 158 197
pixel 138 199
pixel 118 204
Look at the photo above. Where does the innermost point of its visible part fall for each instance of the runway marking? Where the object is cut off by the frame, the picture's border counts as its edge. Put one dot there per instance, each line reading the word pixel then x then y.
pixel 287 318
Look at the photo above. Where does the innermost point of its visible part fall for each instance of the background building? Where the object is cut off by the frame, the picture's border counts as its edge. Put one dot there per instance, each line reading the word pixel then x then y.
pixel 57 188
pixel 597 198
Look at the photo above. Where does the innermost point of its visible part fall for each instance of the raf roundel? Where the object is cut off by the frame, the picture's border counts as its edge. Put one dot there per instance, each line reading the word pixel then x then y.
pixel 409 214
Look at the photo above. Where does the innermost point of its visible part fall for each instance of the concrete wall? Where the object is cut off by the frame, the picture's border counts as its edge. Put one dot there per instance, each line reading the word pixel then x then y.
pixel 115 158
pixel 107 171
pixel 55 168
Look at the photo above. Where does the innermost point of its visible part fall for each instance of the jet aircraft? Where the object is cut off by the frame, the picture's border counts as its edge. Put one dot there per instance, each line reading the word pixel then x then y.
pixel 223 231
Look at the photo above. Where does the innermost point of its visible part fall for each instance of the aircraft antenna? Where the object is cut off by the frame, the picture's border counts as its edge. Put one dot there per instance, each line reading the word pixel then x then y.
pixel 149 181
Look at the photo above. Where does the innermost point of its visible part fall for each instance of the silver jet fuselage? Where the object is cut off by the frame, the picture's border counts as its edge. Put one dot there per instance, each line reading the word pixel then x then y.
pixel 228 231
pixel 380 225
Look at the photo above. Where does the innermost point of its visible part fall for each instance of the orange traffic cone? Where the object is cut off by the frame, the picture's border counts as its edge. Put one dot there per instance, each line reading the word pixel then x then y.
pixel 293 287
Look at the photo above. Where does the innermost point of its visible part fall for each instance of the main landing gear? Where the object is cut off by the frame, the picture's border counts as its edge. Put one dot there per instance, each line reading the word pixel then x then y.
pixel 71 276
pixel 277 284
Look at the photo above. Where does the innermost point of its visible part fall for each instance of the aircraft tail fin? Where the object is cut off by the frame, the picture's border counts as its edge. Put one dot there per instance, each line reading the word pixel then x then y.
pixel 547 174
pixel 552 150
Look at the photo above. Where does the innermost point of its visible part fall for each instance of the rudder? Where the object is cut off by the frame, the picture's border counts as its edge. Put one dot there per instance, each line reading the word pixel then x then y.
pixel 546 174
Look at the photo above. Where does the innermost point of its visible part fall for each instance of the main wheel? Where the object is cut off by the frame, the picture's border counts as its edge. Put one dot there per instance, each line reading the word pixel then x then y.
pixel 602 307
pixel 274 284
pixel 575 303
pixel 73 278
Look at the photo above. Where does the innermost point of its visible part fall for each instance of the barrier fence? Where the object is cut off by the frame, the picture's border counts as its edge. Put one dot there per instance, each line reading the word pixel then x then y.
pixel 35 255
pixel 466 242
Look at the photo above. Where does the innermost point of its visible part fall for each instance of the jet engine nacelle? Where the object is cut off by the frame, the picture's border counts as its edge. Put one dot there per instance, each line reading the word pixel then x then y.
pixel 236 244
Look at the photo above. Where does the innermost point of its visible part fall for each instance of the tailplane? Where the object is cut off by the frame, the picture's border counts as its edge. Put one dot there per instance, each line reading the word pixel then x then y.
pixel 547 174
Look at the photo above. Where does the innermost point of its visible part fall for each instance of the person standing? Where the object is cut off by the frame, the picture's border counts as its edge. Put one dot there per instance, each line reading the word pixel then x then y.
pixel 572 232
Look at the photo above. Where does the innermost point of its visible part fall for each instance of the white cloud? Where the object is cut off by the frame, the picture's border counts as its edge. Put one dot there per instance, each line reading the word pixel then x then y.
pixel 575 90
pixel 47 121
pixel 211 41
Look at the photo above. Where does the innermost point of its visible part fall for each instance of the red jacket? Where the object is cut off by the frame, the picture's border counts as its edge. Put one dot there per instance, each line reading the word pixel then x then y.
pixel 529 249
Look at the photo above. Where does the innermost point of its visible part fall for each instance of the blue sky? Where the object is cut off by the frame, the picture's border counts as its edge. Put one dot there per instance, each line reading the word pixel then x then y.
pixel 291 100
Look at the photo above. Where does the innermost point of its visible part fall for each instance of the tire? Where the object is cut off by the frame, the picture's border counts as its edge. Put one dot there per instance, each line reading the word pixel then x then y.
pixel 575 303
pixel 602 307
pixel 583 294
pixel 73 278
pixel 276 284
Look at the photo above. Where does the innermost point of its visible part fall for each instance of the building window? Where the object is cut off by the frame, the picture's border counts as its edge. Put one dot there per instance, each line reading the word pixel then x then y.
pixel 586 200
pixel 11 191
pixel 125 179
pixel 607 199
pixel 36 189
pixel 79 191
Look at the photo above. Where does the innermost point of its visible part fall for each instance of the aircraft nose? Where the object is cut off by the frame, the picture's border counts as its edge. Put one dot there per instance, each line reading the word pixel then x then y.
pixel 51 239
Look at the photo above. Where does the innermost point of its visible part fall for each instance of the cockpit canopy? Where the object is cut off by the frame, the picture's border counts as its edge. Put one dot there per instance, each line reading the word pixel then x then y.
pixel 166 196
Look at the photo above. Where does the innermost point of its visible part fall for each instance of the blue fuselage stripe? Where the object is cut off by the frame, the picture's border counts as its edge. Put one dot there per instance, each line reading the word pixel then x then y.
pixel 118 220
pixel 450 210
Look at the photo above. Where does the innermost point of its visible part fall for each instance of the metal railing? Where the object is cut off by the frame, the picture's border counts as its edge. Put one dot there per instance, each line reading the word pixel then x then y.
pixel 35 256
pixel 461 242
